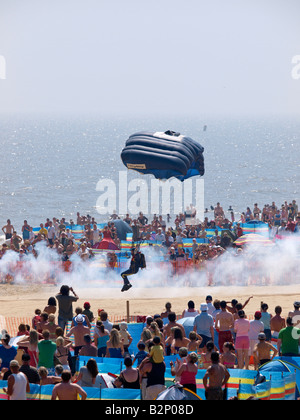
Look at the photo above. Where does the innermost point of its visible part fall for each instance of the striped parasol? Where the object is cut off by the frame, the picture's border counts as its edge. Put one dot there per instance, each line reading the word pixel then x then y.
pixel 253 239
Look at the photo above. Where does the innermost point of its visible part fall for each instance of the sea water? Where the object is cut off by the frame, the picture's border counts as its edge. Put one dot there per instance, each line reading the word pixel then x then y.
pixel 50 166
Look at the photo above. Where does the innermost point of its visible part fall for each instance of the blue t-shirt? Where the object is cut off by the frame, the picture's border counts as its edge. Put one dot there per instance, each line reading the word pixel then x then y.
pixel 7 355
pixel 140 356
pixel 204 322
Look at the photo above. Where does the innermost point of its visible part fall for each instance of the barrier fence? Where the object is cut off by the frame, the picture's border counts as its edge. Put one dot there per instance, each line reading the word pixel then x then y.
pixel 277 386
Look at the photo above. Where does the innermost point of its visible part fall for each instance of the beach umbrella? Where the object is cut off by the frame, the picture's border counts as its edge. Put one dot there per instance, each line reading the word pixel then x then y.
pixel 107 244
pixel 187 323
pixel 253 239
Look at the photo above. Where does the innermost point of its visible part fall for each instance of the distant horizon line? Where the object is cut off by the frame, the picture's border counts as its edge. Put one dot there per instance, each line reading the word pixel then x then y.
pixel 158 115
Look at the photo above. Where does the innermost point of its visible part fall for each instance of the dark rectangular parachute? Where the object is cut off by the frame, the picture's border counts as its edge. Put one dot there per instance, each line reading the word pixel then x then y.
pixel 164 155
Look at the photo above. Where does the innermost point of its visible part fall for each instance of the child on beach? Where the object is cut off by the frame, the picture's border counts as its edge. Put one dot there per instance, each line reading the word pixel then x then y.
pixel 266 319
pixel 205 359
pixel 228 357
pixel 157 351
pixel 87 312
pixel 125 336
pixel 262 350
pixel 36 319
pixel 141 354
pixel 195 341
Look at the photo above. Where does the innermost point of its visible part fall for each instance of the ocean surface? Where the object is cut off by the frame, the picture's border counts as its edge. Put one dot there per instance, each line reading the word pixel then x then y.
pixel 50 167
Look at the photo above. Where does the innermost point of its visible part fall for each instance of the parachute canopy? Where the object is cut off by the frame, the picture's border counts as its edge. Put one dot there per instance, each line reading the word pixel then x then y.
pixel 164 155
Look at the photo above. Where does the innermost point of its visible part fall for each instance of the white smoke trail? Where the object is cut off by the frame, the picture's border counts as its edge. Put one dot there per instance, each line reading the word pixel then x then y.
pixel 276 265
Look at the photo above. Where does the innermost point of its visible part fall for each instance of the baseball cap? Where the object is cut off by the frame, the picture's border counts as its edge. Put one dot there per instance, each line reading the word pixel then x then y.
pixel 257 314
pixel 297 304
pixel 261 336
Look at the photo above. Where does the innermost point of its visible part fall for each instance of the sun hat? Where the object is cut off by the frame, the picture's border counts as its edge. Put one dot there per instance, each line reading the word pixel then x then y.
pixel 203 307
pixel 79 318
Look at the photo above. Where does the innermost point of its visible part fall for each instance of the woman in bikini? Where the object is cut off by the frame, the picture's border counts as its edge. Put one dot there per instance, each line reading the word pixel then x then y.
pixel 62 352
pixel 205 359
pixel 178 341
pixel 114 346
pixel 228 357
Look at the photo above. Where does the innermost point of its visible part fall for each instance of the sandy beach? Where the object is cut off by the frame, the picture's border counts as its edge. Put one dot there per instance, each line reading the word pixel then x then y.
pixel 21 301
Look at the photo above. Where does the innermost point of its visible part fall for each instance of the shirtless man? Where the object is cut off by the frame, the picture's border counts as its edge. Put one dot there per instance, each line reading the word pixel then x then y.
pixel 79 332
pixel 277 322
pixel 8 230
pixel 218 376
pixel 219 212
pixel 67 391
pixel 262 350
pixel 172 323
pixel 224 324
pixel 295 314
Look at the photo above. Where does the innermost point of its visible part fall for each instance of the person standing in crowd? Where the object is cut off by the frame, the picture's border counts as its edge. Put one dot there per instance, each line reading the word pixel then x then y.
pixel 266 319
pixel 7 352
pixel 277 323
pixel 103 315
pixel 28 370
pixel 67 391
pixel 215 378
pixel 8 230
pixel 101 337
pixel 114 346
pixel 295 314
pixel 188 371
pixel 224 324
pixel 288 340
pixel 210 306
pixel 204 325
pixel 262 351
pixel 256 327
pixel 190 311
pixel 17 383
pixel 46 352
pixel 26 231
pixel 242 342
pixel 155 373
pixel 65 308
pixel 79 332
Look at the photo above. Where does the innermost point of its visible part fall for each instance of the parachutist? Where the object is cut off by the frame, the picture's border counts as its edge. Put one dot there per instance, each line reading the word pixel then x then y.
pixel 137 262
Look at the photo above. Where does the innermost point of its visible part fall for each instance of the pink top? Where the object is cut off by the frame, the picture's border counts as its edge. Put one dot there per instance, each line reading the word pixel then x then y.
pixel 188 377
pixel 242 327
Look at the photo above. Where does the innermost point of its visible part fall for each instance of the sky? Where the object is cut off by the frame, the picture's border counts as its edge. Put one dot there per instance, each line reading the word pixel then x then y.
pixel 132 57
